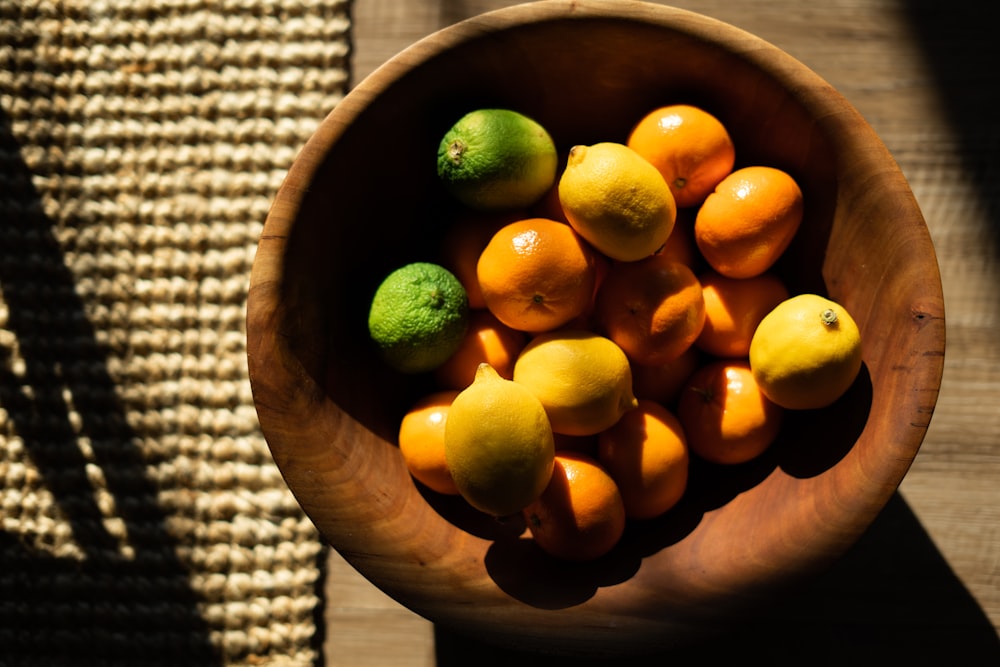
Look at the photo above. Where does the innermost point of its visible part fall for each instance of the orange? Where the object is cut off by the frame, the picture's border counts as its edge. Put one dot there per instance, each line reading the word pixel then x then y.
pixel 421 441
pixel 690 147
pixel 464 242
pixel 653 309
pixel 733 309
pixel 726 417
pixel 662 383
pixel 646 454
pixel 745 225
pixel 580 516
pixel 537 274
pixel 488 340
pixel 680 246
pixel 585 320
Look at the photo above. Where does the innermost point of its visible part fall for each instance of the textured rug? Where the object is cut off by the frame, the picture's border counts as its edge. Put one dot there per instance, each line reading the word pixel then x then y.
pixel 142 519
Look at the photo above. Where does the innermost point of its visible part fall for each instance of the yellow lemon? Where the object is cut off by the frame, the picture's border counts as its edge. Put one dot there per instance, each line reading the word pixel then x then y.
pixel 582 379
pixel 497 159
pixel 498 444
pixel 617 200
pixel 806 352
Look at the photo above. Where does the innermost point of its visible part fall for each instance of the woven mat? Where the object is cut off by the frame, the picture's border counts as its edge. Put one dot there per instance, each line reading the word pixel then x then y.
pixel 142 519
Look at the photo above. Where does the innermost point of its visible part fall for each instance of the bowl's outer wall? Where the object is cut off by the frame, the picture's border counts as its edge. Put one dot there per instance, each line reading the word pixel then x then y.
pixel 362 199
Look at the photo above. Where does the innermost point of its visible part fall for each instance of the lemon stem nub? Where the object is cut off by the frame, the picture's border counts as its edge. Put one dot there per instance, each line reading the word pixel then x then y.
pixel 829 316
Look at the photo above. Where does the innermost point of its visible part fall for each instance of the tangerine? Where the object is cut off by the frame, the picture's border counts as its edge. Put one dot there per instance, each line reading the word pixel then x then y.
pixel 464 242
pixel 421 441
pixel 549 205
pixel 733 309
pixel 580 515
pixel 662 383
pixel 690 147
pixel 680 246
pixel 748 221
pixel 537 274
pixel 488 340
pixel 652 308
pixel 725 416
pixel 646 453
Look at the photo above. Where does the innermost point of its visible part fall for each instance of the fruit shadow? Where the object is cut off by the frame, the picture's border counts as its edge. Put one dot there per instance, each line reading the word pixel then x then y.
pixel 814 441
pixel 802 450
pixel 891 599
pixel 523 571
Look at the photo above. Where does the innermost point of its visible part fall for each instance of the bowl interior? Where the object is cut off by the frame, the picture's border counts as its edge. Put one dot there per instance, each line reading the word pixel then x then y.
pixel 362 198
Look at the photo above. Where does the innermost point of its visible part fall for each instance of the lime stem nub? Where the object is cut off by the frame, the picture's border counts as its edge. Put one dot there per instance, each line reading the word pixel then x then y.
pixel 455 151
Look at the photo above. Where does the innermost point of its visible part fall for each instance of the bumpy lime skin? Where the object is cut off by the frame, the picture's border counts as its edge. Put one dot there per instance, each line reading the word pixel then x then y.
pixel 497 159
pixel 418 317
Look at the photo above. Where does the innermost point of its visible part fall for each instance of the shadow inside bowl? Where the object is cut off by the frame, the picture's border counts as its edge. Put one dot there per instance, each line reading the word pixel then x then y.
pixel 526 573
pixel 811 442
pixel 814 441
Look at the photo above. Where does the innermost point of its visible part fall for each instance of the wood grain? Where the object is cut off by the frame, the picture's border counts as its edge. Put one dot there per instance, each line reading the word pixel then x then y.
pixel 935 549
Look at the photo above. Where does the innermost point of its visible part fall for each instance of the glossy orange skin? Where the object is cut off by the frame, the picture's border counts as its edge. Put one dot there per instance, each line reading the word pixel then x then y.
pixel 488 340
pixel 581 515
pixel 690 148
pixel 726 418
pixel 537 274
pixel 744 226
pixel 663 382
pixel 421 441
pixel 646 453
pixel 464 242
pixel 653 309
pixel 733 309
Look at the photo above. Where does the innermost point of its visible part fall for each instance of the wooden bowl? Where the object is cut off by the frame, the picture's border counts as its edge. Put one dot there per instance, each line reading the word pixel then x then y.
pixel 362 198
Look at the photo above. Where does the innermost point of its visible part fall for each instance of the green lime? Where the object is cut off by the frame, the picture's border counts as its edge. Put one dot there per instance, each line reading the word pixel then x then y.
pixel 493 159
pixel 418 317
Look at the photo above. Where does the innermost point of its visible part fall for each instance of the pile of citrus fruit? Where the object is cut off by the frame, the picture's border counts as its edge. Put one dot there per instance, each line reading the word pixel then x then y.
pixel 593 325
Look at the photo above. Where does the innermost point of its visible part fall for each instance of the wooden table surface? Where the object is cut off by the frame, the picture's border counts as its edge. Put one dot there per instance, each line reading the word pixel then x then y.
pixel 923 585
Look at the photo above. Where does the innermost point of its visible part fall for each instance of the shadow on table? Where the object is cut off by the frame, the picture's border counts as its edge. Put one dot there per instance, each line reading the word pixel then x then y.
pixel 892 599
pixel 123 599
pixel 960 50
